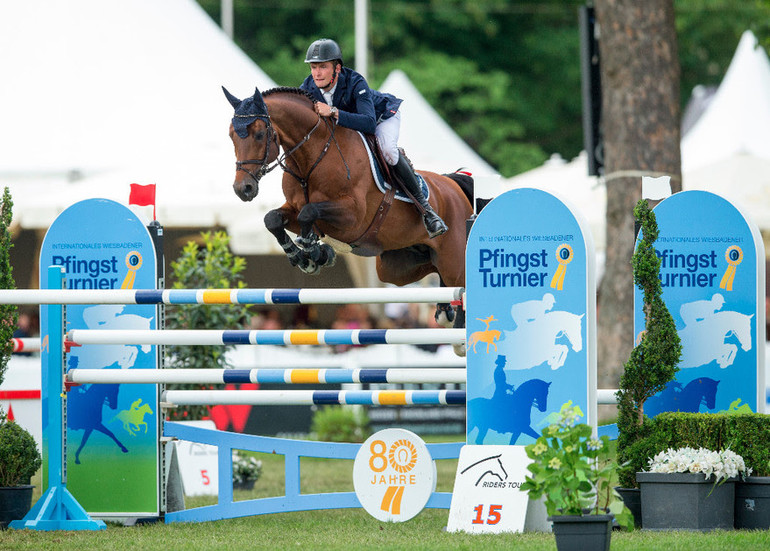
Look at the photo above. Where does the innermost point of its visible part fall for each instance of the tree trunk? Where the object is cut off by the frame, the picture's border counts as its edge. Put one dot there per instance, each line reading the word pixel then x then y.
pixel 640 125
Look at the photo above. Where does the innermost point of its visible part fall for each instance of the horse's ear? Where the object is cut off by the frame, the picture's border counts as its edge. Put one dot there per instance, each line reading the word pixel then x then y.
pixel 257 93
pixel 235 102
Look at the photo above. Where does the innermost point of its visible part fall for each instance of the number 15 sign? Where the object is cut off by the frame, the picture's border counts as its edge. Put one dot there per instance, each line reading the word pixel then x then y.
pixel 486 497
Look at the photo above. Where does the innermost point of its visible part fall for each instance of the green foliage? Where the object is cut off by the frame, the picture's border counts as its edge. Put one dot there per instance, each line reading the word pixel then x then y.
pixel 653 361
pixel 340 424
pixel 525 55
pixel 574 471
pixel 211 266
pixel 745 434
pixel 19 457
pixel 8 312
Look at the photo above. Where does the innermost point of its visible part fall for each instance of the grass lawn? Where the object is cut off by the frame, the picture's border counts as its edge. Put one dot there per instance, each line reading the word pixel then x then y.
pixel 342 529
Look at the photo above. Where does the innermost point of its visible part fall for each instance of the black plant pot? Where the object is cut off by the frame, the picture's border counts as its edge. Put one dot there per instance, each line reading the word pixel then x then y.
pixel 752 503
pixel 582 532
pixel 686 501
pixel 15 502
pixel 632 498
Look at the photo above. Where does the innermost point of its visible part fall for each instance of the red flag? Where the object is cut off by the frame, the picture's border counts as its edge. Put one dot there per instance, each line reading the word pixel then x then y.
pixel 143 196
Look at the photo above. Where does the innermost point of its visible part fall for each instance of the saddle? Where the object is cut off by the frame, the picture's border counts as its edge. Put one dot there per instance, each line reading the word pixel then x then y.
pixel 368 244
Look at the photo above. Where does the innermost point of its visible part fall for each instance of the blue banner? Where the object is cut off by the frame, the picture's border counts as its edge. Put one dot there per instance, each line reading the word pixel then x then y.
pixel 112 430
pixel 712 272
pixel 530 317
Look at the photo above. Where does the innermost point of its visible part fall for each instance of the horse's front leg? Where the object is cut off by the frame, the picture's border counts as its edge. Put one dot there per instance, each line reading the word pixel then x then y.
pixel 321 253
pixel 276 221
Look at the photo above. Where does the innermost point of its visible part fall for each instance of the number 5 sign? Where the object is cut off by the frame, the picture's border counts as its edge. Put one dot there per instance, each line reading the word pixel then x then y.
pixel 486 497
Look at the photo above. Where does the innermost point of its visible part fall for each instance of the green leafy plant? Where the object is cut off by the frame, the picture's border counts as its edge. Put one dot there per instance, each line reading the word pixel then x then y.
pixel 653 361
pixel 210 266
pixel 245 467
pixel 19 456
pixel 8 312
pixel 574 470
pixel 340 424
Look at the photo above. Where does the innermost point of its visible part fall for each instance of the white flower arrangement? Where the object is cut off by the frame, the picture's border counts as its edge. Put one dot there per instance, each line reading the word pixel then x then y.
pixel 245 467
pixel 722 465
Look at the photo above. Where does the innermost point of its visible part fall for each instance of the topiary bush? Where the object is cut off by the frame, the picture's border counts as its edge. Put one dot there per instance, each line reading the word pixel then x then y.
pixel 340 424
pixel 746 434
pixel 19 456
pixel 653 361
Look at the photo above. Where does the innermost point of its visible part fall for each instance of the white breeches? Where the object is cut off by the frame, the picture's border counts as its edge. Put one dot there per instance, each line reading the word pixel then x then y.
pixel 386 133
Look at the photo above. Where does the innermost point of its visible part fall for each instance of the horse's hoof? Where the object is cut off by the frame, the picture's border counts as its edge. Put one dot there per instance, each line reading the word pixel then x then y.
pixel 310 267
pixel 459 349
pixel 445 317
pixel 328 256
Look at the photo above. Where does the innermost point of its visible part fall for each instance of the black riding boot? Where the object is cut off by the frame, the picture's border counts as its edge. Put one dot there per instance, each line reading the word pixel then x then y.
pixel 433 222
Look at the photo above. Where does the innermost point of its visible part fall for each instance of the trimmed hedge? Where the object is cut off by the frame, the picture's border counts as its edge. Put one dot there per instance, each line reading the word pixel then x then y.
pixel 745 434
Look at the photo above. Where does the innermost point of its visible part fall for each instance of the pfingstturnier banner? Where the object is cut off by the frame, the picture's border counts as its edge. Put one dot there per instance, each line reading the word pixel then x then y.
pixel 530 317
pixel 713 276
pixel 112 430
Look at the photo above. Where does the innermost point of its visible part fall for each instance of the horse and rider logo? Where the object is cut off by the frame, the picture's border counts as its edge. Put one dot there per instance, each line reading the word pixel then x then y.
pixel 537 336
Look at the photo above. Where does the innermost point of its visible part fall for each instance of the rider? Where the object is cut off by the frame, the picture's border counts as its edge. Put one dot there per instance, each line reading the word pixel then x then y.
pixel 699 310
pixel 344 95
pixel 502 388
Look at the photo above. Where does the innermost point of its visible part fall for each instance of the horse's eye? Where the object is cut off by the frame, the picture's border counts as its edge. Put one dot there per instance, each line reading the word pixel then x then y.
pixel 259 136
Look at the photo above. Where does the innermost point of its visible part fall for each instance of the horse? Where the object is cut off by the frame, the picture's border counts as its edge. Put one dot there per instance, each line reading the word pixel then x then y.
pixel 510 415
pixel 706 340
pixel 133 418
pixel 84 412
pixel 330 192
pixel 700 391
pixel 535 342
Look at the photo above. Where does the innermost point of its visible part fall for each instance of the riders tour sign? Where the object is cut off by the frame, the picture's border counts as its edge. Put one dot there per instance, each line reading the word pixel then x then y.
pixel 530 317
pixel 712 273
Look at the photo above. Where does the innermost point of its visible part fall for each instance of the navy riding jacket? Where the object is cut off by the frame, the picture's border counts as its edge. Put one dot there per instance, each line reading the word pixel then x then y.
pixel 360 107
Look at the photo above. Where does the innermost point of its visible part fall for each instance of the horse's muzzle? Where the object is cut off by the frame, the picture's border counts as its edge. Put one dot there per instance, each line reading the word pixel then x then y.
pixel 246 191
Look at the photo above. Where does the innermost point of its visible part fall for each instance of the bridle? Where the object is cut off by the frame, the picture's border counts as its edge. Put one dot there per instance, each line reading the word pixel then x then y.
pixel 264 168
pixel 262 163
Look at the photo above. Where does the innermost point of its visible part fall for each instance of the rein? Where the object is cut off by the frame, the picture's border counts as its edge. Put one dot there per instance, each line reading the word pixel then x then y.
pixel 264 168
pixel 303 181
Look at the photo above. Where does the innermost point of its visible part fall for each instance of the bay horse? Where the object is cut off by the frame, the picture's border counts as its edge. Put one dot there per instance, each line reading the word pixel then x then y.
pixel 330 192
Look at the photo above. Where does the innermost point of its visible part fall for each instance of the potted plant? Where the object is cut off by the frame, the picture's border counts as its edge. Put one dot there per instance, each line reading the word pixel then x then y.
pixel 651 366
pixel 19 460
pixel 574 472
pixel 678 493
pixel 246 470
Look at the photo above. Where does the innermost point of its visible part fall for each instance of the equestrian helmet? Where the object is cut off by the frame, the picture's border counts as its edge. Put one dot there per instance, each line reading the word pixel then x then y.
pixel 323 49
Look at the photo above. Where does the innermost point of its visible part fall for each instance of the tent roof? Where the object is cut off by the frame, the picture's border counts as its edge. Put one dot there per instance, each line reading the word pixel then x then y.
pixel 737 120
pixel 428 140
pixel 103 93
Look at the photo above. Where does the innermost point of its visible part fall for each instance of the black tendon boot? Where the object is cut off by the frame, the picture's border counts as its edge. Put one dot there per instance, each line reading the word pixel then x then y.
pixel 433 222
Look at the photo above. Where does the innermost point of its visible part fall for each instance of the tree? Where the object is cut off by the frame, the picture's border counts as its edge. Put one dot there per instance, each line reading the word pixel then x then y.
pixel 640 125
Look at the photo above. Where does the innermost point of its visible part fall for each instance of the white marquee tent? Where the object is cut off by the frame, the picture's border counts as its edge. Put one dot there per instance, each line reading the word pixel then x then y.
pixel 98 94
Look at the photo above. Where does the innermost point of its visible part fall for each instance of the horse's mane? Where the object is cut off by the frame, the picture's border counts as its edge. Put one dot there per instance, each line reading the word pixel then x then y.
pixel 288 90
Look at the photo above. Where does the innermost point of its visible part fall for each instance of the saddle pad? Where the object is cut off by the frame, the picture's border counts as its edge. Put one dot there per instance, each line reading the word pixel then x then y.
pixel 384 186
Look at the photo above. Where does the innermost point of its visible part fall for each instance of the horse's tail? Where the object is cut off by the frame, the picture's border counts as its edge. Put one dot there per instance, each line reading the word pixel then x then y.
pixel 465 181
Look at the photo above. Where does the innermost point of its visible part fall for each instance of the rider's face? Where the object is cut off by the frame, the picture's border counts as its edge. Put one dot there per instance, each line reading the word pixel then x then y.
pixel 323 74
